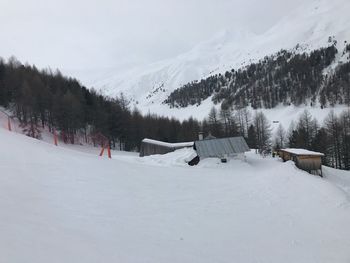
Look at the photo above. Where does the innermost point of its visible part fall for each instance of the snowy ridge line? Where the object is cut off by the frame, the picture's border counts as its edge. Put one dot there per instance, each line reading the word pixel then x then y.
pixel 307 28
pixel 168 144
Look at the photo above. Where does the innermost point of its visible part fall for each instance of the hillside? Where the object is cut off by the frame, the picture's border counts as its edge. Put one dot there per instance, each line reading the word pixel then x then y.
pixel 309 28
pixel 285 78
pixel 62 205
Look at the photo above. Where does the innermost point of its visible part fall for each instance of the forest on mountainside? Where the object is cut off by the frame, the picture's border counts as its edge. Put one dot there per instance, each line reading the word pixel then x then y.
pixel 42 98
pixel 284 78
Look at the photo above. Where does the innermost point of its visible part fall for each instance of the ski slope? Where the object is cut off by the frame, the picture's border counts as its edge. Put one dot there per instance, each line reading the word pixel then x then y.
pixel 65 205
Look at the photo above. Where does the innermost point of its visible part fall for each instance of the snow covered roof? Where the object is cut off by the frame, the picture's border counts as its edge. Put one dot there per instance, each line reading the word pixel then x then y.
pixel 221 147
pixel 210 137
pixel 168 144
pixel 302 152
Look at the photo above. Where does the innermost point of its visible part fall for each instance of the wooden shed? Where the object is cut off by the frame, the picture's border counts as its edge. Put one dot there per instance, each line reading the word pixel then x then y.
pixel 151 147
pixel 219 148
pixel 306 160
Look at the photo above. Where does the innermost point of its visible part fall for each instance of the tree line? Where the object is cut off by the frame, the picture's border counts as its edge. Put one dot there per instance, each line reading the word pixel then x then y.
pixel 331 137
pixel 238 121
pixel 284 78
pixel 45 99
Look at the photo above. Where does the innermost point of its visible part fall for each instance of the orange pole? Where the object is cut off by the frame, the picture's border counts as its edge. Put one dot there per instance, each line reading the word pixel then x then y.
pixel 9 124
pixel 55 137
pixel 109 152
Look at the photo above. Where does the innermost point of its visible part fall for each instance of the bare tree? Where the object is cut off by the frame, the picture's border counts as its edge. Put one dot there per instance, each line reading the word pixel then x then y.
pixel 226 116
pixel 344 121
pixel 263 132
pixel 280 137
pixel 214 122
pixel 306 126
pixel 243 118
pixel 333 131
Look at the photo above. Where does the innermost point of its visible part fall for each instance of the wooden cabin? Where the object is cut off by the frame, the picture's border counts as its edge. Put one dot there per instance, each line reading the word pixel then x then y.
pixel 306 160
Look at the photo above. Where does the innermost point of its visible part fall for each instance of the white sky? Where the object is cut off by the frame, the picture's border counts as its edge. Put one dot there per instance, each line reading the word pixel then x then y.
pixel 87 34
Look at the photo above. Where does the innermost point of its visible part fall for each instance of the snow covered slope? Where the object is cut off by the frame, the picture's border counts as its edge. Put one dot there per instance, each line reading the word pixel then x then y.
pixel 152 83
pixel 310 26
pixel 338 178
pixel 62 205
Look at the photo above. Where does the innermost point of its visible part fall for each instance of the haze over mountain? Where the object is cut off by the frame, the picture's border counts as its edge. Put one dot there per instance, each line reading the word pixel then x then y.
pixel 309 26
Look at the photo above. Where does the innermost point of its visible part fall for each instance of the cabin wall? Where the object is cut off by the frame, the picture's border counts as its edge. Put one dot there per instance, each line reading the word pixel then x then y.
pixel 285 156
pixel 309 163
pixel 151 149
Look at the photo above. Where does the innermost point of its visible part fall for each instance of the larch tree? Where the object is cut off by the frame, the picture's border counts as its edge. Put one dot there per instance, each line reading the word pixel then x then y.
pixel 263 132
pixel 280 137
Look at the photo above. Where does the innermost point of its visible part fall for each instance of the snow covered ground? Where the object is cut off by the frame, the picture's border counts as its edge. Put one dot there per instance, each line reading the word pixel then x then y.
pixel 65 205
pixel 339 178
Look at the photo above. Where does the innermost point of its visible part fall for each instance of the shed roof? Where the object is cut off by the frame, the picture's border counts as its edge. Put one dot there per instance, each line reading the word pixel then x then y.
pixel 210 137
pixel 167 144
pixel 302 152
pixel 221 147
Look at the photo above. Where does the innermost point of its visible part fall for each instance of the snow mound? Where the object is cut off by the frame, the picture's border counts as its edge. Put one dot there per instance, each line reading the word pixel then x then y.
pixel 179 157
pixel 339 178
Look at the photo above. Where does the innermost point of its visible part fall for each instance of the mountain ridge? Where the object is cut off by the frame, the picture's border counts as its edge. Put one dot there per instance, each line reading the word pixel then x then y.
pixel 309 27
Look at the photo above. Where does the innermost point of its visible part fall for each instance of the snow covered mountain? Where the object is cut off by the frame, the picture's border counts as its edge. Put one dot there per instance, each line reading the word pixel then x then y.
pixel 309 27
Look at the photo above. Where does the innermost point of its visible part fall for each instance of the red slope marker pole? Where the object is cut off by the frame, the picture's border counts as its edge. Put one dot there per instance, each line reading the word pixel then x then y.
pixel 55 137
pixel 109 152
pixel 9 124
pixel 102 151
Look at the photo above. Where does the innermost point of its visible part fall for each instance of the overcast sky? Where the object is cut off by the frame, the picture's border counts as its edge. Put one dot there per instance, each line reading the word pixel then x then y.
pixel 84 34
